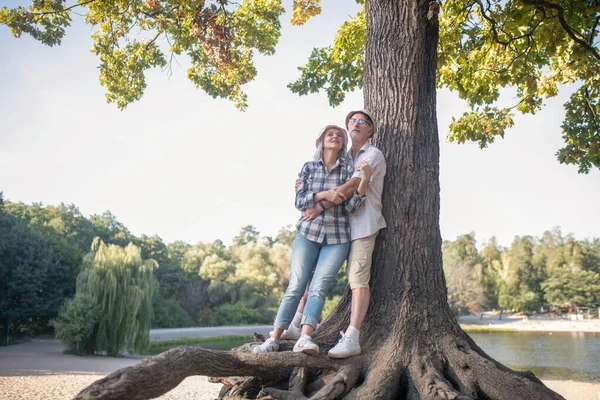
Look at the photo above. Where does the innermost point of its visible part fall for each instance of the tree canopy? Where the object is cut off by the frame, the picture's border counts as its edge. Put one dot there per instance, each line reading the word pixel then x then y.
pixel 486 48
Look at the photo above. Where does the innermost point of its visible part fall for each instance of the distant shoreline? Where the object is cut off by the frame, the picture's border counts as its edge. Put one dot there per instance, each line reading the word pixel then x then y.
pixel 491 321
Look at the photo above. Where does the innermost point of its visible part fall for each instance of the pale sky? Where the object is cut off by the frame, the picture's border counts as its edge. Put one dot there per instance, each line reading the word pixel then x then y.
pixel 181 165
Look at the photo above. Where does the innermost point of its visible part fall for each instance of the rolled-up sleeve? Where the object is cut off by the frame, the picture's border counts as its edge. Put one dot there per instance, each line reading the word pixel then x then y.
pixel 354 202
pixel 304 196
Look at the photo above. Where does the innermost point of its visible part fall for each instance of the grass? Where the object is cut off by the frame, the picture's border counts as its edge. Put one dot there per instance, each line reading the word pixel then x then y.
pixel 21 338
pixel 164 345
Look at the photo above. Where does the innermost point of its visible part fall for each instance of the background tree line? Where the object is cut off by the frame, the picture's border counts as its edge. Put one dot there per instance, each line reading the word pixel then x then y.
pixel 43 250
pixel 554 270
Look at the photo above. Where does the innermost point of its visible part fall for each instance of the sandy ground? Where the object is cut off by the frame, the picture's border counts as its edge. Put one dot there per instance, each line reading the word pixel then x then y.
pixel 39 370
pixel 194 388
pixel 55 387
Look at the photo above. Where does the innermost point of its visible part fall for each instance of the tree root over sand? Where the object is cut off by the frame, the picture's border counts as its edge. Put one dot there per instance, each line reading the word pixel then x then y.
pixel 449 369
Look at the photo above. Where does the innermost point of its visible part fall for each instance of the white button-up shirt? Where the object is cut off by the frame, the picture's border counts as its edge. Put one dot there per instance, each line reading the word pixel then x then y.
pixel 368 219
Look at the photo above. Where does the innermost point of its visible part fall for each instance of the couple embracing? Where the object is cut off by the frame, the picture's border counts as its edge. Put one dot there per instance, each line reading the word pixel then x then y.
pixel 339 194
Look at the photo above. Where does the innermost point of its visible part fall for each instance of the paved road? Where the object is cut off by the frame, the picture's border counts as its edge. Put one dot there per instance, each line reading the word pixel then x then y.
pixel 170 334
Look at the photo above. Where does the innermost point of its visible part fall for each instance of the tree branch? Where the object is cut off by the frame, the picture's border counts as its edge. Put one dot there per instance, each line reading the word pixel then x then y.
pixel 492 23
pixel 62 11
pixel 153 40
pixel 577 37
pixel 511 39
pixel 593 31
pixel 591 108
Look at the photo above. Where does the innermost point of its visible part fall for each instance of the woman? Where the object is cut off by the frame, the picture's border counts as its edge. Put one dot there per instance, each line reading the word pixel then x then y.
pixel 323 241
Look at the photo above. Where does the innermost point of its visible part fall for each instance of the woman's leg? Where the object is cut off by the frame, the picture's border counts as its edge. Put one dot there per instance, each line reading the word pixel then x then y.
pixel 331 258
pixel 298 316
pixel 294 331
pixel 304 257
pixel 329 263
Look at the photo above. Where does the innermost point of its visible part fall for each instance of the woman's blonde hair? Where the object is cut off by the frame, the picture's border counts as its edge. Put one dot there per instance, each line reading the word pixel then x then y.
pixel 318 156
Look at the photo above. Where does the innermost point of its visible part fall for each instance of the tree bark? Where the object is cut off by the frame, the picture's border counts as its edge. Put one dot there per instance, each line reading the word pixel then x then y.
pixel 412 346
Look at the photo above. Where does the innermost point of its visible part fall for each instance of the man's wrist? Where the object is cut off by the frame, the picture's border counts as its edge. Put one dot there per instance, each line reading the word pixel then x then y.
pixel 322 205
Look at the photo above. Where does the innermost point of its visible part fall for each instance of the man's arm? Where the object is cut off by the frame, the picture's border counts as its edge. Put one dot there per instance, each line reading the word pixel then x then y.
pixel 335 196
pixel 358 197
pixel 349 187
pixel 347 190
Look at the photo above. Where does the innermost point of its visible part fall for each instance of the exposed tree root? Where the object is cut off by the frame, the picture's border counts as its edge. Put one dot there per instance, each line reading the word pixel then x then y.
pixel 343 381
pixel 529 375
pixel 449 367
pixel 320 381
pixel 428 381
pixel 157 375
pixel 239 387
pixel 462 372
pixel 298 380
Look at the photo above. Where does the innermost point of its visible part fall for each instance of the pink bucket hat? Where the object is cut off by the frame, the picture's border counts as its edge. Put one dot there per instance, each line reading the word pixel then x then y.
pixel 322 134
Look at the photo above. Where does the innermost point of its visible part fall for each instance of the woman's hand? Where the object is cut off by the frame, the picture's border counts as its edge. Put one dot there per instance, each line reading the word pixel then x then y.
pixel 334 196
pixel 312 213
pixel 365 170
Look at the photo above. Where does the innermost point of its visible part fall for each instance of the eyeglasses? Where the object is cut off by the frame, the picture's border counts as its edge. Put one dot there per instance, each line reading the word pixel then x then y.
pixel 361 122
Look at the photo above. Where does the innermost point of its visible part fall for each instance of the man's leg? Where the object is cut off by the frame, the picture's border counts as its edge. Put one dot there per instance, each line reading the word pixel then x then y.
pixel 359 274
pixel 360 306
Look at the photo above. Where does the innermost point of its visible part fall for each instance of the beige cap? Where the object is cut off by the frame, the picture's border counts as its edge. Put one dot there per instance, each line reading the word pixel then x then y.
pixel 365 112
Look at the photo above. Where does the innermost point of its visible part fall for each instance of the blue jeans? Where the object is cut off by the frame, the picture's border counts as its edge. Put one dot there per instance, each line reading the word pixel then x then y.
pixel 305 254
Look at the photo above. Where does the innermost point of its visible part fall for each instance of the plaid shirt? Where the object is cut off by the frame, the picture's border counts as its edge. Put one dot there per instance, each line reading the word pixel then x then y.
pixel 333 224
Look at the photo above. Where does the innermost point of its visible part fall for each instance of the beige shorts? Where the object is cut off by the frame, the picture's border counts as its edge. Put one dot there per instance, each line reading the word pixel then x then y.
pixel 359 261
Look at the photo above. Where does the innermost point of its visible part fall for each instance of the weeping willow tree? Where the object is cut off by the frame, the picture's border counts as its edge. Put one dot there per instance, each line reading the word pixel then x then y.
pixel 112 307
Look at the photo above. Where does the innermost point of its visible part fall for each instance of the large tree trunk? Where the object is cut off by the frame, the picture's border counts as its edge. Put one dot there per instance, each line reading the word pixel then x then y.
pixel 412 346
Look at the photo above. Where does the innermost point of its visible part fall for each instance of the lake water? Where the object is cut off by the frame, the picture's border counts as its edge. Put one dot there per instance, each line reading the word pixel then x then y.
pixel 556 356
pixel 559 356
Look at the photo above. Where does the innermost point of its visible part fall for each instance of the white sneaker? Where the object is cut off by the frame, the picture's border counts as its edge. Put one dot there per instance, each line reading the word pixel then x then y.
pixel 271 344
pixel 346 347
pixel 291 333
pixel 306 345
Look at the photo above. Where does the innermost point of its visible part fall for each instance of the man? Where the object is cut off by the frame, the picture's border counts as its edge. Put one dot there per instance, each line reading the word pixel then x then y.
pixel 364 226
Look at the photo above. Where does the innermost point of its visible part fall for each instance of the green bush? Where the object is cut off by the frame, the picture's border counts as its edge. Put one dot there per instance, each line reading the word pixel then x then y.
pixel 329 306
pixel 237 314
pixel 169 314
pixel 76 323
